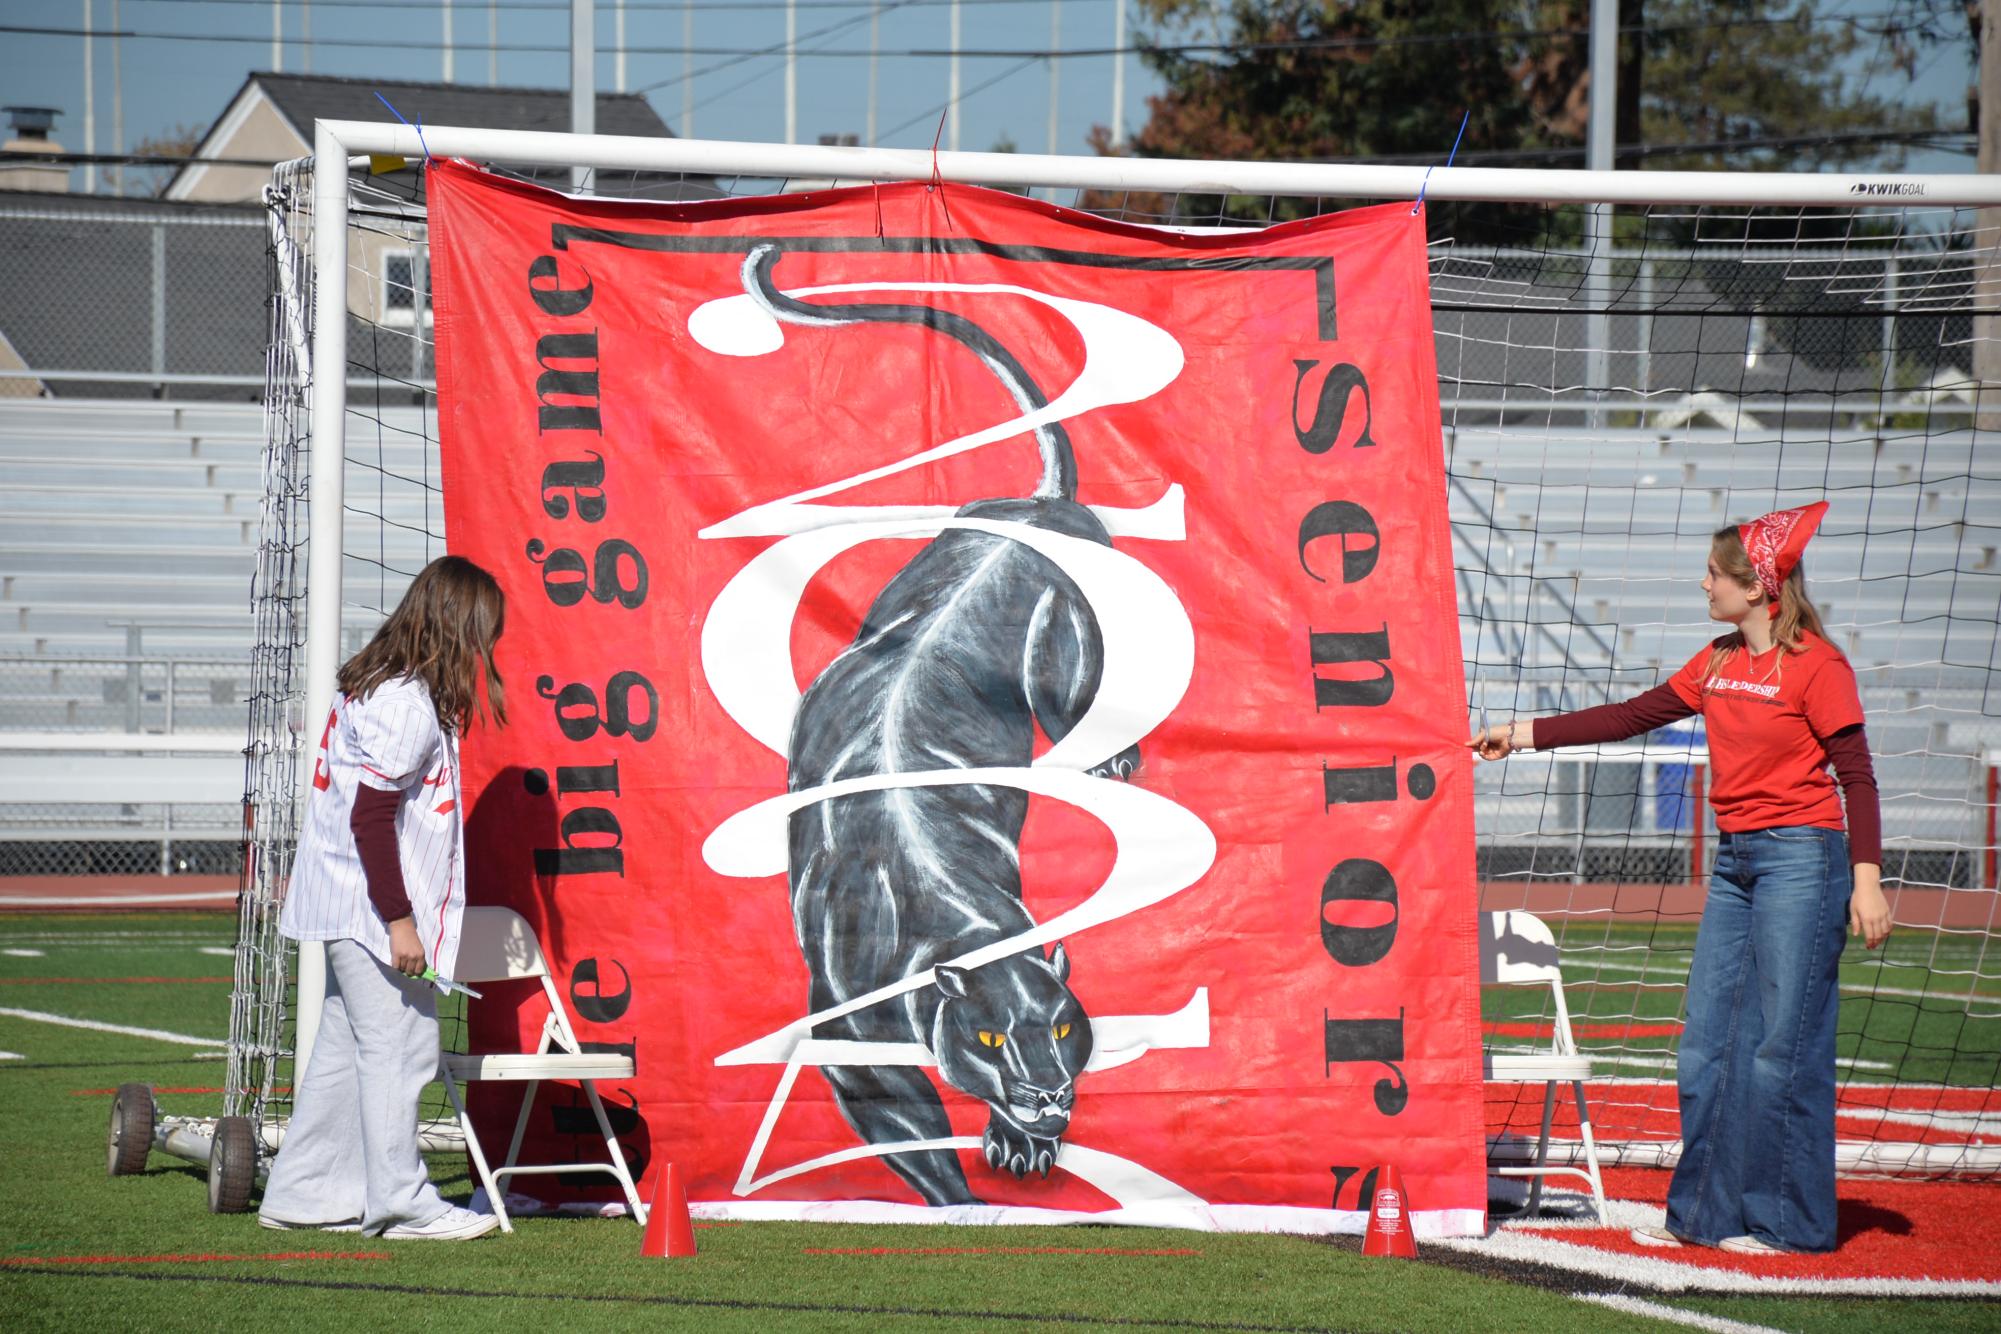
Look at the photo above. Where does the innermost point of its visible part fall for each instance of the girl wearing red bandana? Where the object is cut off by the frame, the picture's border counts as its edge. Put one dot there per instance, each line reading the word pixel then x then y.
pixel 1756 1063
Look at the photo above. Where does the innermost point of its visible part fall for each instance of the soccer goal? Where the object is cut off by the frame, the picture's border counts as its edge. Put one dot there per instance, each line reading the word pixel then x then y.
pixel 1628 362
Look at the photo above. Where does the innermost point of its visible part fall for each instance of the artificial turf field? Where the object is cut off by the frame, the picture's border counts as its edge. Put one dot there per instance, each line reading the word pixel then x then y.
pixel 81 1250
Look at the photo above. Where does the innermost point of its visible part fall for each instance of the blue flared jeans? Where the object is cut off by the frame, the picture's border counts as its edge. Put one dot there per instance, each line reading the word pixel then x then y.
pixel 1756 1068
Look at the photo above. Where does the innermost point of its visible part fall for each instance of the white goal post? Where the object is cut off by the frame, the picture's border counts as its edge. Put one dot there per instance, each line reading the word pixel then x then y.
pixel 340 145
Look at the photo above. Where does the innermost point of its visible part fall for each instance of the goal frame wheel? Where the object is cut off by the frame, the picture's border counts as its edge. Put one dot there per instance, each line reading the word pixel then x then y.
pixel 129 1136
pixel 232 1165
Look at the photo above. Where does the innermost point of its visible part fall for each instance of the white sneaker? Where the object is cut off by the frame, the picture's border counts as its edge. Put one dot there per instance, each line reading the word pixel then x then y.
pixel 1654 1236
pixel 286 1225
pixel 1751 1246
pixel 453 1224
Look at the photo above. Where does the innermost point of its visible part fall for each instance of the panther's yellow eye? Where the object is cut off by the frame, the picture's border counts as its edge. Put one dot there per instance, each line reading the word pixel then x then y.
pixel 992 1039
pixel 1060 1031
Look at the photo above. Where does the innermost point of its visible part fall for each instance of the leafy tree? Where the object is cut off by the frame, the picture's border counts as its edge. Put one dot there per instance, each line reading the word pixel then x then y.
pixel 1746 84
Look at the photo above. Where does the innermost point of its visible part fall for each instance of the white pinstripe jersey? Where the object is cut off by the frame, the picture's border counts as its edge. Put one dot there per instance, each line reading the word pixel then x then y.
pixel 392 741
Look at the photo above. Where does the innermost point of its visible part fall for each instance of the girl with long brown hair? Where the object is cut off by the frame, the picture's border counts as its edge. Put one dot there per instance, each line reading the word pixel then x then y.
pixel 379 876
pixel 1755 1068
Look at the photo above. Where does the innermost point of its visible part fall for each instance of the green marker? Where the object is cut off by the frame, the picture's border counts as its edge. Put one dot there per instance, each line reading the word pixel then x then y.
pixel 446 985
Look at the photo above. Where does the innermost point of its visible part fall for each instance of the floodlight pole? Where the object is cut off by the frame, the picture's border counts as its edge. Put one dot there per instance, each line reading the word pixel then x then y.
pixel 1601 129
pixel 583 80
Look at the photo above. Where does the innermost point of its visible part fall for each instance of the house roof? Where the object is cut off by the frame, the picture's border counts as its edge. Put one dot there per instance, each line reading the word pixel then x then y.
pixel 303 98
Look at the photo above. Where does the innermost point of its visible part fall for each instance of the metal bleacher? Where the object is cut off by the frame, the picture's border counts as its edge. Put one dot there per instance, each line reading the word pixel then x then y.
pixel 128 545
pixel 128 542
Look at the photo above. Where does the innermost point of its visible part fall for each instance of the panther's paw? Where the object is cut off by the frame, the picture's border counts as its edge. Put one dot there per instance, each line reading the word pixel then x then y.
pixel 1121 766
pixel 1009 1150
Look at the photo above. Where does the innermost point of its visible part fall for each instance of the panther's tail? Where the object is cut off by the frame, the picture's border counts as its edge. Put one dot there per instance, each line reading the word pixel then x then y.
pixel 1059 461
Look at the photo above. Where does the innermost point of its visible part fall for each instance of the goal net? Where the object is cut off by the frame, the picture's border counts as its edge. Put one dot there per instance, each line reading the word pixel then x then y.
pixel 1617 383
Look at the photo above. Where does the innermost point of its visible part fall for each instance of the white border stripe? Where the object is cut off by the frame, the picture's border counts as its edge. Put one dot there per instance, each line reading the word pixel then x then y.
pixel 111 900
pixel 1674 1315
pixel 1668 1276
pixel 40 1017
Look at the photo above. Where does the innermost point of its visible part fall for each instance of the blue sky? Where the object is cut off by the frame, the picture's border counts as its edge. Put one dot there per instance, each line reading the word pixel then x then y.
pixel 166 83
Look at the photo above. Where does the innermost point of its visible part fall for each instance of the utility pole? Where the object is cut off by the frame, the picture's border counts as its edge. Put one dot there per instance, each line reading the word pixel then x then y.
pixel 277 36
pixel 1118 72
pixel 688 69
pixel 492 43
pixel 791 71
pixel 952 92
pixel 583 80
pixel 1600 130
pixel 446 8
pixel 1055 73
pixel 117 103
pixel 874 59
pixel 618 44
pixel 1987 327
pixel 306 35
pixel 89 100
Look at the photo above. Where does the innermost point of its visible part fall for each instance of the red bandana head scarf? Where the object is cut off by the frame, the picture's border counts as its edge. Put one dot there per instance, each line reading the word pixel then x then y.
pixel 1775 543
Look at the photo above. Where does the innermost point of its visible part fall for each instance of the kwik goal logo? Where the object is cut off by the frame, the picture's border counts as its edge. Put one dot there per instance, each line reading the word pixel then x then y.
pixel 1894 189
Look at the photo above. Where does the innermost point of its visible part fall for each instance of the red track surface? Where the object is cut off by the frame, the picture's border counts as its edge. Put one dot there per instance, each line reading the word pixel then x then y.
pixel 1888 1230
pixel 1646 1110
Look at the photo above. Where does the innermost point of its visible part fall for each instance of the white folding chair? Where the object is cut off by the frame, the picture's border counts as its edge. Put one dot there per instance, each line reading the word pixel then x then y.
pixel 1517 949
pixel 497 945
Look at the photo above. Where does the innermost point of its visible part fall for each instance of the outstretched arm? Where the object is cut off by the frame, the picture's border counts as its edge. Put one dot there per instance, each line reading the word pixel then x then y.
pixel 1606 722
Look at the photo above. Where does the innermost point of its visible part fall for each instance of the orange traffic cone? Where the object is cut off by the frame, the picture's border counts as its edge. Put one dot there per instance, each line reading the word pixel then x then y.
pixel 1389 1218
pixel 669 1232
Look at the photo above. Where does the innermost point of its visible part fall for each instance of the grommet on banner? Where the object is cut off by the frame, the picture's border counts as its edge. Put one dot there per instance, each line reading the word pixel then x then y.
pixel 1425 184
pixel 1389 1217
pixel 418 127
pixel 670 1234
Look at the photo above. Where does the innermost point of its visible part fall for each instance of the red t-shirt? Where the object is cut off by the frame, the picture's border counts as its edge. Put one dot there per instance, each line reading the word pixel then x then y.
pixel 1768 718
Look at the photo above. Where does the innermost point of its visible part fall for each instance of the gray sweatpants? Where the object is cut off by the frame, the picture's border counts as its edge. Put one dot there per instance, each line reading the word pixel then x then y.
pixel 351 1148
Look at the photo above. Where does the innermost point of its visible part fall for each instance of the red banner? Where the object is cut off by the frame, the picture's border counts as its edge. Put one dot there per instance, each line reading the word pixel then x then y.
pixel 985 700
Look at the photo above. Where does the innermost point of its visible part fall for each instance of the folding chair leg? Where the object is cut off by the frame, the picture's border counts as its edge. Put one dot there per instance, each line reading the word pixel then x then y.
pixel 520 1126
pixel 617 1154
pixel 494 1195
pixel 1590 1150
pixel 1542 1145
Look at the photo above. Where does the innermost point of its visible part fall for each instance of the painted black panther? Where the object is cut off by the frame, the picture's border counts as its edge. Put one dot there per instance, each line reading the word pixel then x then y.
pixel 971 646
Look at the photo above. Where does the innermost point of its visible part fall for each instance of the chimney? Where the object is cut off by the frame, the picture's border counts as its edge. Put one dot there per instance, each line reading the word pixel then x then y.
pixel 31 127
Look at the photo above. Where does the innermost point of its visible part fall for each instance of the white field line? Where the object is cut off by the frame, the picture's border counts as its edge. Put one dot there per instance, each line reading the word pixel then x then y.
pixel 111 900
pixel 1511 1243
pixel 1673 1315
pixel 1667 1059
pixel 159 1034
pixel 1972 1123
pixel 225 951
pixel 95 937
pixel 11 1056
pixel 1851 989
pixel 24 954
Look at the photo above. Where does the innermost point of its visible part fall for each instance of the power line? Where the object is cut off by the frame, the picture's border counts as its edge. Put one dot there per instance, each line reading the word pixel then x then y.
pixel 926 115
pixel 987 53
pixel 562 7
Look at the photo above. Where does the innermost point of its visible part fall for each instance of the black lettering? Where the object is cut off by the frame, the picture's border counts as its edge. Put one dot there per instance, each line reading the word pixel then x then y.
pixel 1342 519
pixel 567 382
pixel 584 480
pixel 589 859
pixel 578 715
pixel 1330 413
pixel 589 998
pixel 1364 1192
pixel 1358 880
pixel 545 284
pixel 1345 787
pixel 1377 1040
pixel 566 578
pixel 1332 649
